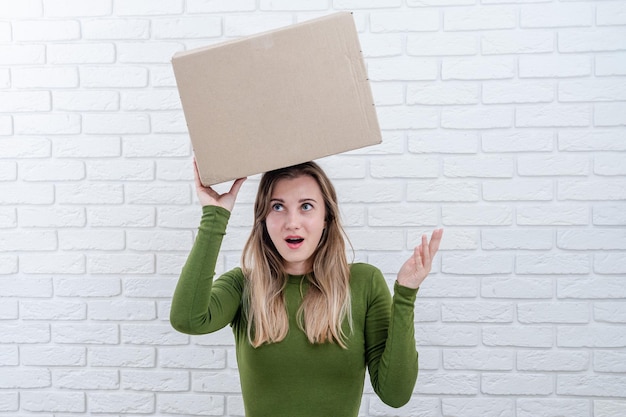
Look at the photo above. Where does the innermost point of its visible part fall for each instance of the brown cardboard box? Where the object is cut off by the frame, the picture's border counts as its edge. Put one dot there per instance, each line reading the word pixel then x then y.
pixel 277 98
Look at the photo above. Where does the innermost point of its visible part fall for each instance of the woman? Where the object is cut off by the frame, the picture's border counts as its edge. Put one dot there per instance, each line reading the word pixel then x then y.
pixel 306 323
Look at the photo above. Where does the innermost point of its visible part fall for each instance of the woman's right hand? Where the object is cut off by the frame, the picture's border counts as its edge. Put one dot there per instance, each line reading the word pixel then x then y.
pixel 209 197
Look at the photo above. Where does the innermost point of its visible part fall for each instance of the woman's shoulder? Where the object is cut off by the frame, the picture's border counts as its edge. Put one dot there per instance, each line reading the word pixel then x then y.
pixel 364 274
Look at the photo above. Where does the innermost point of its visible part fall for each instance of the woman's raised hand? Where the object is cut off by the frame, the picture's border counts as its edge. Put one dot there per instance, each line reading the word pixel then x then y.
pixel 417 267
pixel 209 197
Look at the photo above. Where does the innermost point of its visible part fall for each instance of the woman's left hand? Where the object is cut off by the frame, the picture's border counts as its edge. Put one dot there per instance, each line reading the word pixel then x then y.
pixel 418 266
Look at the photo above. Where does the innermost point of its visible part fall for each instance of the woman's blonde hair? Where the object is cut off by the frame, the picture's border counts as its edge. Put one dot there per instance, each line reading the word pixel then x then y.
pixel 326 304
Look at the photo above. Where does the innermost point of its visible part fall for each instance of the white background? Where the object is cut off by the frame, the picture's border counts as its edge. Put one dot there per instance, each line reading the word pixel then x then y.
pixel 503 122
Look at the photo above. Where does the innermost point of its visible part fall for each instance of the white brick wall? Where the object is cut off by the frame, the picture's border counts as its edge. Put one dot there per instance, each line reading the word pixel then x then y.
pixel 503 121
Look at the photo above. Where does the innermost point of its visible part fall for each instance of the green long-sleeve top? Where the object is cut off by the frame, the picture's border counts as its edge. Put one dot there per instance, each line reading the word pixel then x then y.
pixel 294 377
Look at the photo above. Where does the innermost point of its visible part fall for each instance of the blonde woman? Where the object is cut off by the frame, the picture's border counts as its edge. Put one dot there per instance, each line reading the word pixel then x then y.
pixel 306 323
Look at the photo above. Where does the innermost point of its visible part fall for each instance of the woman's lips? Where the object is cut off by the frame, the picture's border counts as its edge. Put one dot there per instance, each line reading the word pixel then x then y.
pixel 294 242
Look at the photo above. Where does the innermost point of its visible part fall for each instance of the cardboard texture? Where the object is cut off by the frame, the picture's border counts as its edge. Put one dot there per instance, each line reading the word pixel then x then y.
pixel 277 98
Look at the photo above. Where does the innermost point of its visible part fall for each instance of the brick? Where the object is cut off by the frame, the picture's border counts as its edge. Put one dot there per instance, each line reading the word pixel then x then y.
pixel 109 29
pixel 28 241
pixel 52 170
pixel 513 287
pixel 556 15
pixel 442 190
pixel 82 287
pixel 586 190
pixel 123 263
pixel 122 310
pixel 441 383
pixel 157 194
pixel 551 115
pixel 154 334
pixel 90 193
pixel 442 142
pixel 613 114
pixel 591 385
pixel 25 148
pixel 8 217
pixel 551 407
pixel 478 167
pixel 441 44
pixel 561 312
pixel 62 8
pixel 113 77
pixel 608 408
pixel 47 124
pixel 25 101
pixel 283 5
pixel 174 170
pixel 394 167
pixel 156 146
pixel 90 334
pixel 479 360
pixel 120 170
pixel 111 124
pixel 553 165
pixel 592 40
pixel 52 310
pixel 598 336
pixel 405 117
pixel 405 21
pixel 8 171
pixel 446 93
pixel 498 43
pixel 403 215
pixel 192 358
pixel 387 93
pixel 383 240
pixel 122 403
pixel 477 117
pixel 417 406
pixel 26 194
pixel 516 140
pixel 613 215
pixel 23 334
pixel 92 53
pixel 149 7
pixel 25 378
pixel 91 240
pixel 517 384
pixel 610 64
pixel 365 4
pixel 560 66
pixel 191 404
pixel 187 27
pixel 485 312
pixel 86 100
pixel 245 25
pixel 53 356
pixel 151 100
pixel 609 361
pixel 590 288
pixel 552 263
pixel 87 147
pixel 403 68
pixel 611 14
pixel 485 407
pixel 609 313
pixel 9 401
pixel 501 92
pixel 24 287
pixel 22 9
pixel 518 190
pixel 356 192
pixel 486 215
pixel 520 239
pixel 592 90
pixel 121 216
pixel 45 77
pixel 8 310
pixel 597 239
pixel 516 336
pixel 57 263
pixel 122 357
pixel 22 54
pixel 473 264
pixel 170 122
pixel 164 381
pixel 554 215
pixel 552 361
pixel 449 335
pixel 479 18
pixel 70 402
pixel 608 165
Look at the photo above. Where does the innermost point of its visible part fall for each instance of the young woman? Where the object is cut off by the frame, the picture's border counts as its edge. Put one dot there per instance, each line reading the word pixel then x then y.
pixel 306 322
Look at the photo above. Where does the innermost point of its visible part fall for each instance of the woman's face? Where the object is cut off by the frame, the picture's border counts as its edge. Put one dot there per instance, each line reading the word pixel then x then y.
pixel 295 222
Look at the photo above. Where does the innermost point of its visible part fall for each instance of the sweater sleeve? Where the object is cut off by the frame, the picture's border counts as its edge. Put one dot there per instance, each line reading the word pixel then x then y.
pixel 390 342
pixel 200 305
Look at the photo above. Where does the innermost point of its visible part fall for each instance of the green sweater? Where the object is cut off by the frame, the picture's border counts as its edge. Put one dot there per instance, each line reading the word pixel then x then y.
pixel 294 378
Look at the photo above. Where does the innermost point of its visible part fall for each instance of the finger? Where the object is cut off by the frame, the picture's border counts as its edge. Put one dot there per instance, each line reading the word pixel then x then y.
pixel 427 260
pixel 435 240
pixel 234 189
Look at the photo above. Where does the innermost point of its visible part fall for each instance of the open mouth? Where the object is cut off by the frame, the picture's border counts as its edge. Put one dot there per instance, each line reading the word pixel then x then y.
pixel 294 242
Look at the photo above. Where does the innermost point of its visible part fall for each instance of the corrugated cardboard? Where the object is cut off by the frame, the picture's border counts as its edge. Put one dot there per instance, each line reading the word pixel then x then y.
pixel 276 99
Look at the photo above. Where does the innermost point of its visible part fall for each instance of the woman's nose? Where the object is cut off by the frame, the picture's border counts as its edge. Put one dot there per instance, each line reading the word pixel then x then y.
pixel 293 221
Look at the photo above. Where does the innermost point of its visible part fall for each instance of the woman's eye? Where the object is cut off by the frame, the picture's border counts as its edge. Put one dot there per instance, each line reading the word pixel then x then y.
pixel 307 206
pixel 277 207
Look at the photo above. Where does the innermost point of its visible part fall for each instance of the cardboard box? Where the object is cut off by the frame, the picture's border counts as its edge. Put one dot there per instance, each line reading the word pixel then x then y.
pixel 277 98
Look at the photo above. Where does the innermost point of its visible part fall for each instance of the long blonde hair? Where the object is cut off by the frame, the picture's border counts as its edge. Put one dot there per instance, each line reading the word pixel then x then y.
pixel 326 304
